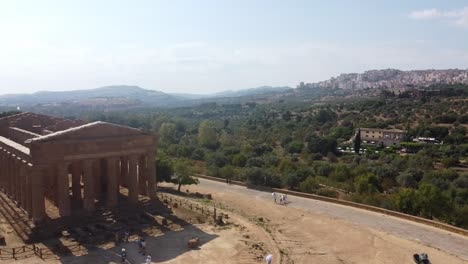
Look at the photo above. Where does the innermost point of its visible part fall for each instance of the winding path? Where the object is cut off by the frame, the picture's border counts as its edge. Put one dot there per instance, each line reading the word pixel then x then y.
pixel 451 243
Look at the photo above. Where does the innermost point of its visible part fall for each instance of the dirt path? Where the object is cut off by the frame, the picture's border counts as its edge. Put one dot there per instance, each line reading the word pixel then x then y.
pixel 310 231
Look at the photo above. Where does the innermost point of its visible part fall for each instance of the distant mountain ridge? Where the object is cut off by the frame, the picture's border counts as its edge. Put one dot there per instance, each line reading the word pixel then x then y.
pixel 134 96
pixel 125 95
pixel 76 96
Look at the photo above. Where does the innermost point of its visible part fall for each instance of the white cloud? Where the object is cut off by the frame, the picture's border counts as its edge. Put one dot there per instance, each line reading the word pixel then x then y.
pixel 425 14
pixel 458 17
pixel 462 17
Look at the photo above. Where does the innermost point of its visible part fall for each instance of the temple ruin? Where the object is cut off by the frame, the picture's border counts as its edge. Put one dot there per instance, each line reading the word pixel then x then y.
pixel 74 165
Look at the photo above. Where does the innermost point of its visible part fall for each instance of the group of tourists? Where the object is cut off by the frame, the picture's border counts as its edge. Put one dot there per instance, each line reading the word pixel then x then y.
pixel 283 198
pixel 141 249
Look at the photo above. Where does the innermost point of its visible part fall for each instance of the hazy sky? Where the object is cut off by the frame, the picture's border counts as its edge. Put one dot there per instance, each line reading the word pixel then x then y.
pixel 207 46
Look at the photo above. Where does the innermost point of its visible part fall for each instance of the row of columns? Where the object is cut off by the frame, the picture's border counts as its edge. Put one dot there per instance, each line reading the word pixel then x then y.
pixel 136 172
pixel 27 184
pixel 15 179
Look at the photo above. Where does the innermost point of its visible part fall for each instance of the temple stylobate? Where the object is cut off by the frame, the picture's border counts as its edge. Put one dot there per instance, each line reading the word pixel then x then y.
pixel 73 165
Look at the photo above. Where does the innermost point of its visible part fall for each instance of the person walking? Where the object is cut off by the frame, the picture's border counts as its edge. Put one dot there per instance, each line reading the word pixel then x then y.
pixel 126 236
pixel 274 196
pixel 269 259
pixel 140 245
pixel 143 246
pixel 148 259
pixel 123 255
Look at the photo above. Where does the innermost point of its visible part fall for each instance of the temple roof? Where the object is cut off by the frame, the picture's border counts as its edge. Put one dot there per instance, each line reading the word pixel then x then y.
pixel 89 131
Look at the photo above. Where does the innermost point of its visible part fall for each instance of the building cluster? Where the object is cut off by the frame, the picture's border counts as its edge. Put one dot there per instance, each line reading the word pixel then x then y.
pixel 76 166
pixel 392 79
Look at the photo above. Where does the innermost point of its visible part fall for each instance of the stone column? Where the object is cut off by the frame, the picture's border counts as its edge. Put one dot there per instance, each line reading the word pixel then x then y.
pixel 88 186
pixel 124 172
pixel 76 183
pixel 112 181
pixel 52 184
pixel 13 177
pixel 142 175
pixel 97 178
pixel 2 169
pixel 8 174
pixel 63 189
pixel 37 194
pixel 16 180
pixel 133 179
pixel 23 189
pixel 152 180
pixel 5 171
pixel 28 202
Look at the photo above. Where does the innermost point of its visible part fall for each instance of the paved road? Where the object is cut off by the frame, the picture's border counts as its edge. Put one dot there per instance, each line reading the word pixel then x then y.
pixel 437 238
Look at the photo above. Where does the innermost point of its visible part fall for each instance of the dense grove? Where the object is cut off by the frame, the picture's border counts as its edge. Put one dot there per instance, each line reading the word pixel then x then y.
pixel 296 145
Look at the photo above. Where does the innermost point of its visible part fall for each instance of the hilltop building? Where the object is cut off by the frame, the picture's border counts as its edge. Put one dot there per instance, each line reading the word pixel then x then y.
pixel 75 166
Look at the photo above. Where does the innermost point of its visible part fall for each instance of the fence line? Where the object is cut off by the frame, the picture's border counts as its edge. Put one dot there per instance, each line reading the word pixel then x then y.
pixel 31 250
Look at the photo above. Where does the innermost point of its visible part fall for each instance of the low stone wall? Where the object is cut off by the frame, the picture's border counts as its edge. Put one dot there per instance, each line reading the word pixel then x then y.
pixel 413 218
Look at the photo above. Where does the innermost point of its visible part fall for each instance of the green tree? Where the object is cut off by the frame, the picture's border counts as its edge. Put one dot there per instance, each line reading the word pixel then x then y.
pixel 167 134
pixel 406 201
pixel 341 173
pixel 207 136
pixel 460 217
pixel 183 174
pixel 295 147
pixel 239 160
pixel 290 180
pixel 367 183
pixel 227 172
pixel 409 178
pixel 309 185
pixel 321 145
pixel 357 142
pixel 258 176
pixel 198 154
pixel 324 116
pixel 164 168
pixel 431 201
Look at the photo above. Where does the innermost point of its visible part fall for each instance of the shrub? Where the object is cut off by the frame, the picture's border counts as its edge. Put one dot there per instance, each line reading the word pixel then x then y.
pixel 327 192
pixel 295 147
pixel 198 154
pixel 449 162
pixel 239 160
pixel 366 184
pixel 309 185
pixel 461 181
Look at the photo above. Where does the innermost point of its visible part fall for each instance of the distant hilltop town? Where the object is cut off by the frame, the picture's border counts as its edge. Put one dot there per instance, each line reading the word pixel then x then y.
pixel 392 79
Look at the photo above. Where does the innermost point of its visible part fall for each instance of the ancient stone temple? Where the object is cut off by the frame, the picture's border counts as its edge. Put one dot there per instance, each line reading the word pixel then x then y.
pixel 73 165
